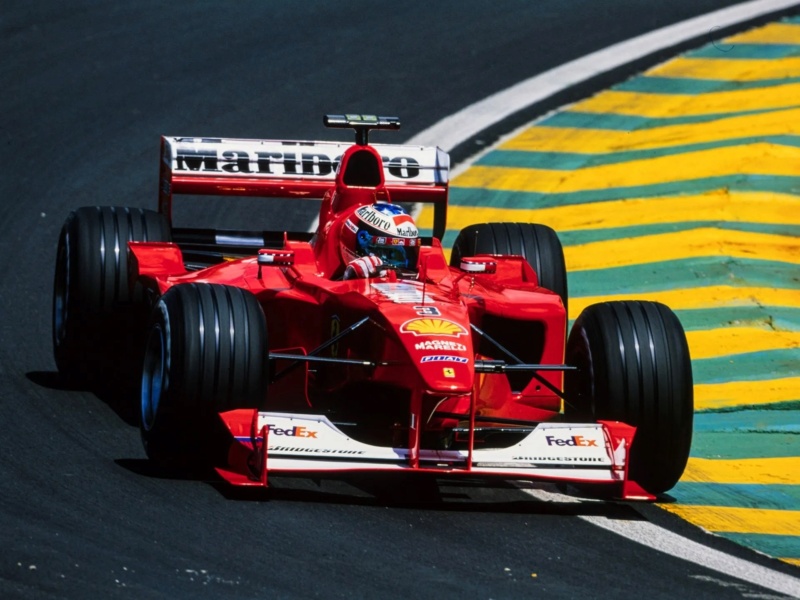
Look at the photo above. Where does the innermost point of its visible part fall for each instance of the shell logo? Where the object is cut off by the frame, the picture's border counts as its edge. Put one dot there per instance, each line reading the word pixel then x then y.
pixel 443 327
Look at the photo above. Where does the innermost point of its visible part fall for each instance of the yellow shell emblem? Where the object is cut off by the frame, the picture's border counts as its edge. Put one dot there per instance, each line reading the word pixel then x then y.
pixel 433 327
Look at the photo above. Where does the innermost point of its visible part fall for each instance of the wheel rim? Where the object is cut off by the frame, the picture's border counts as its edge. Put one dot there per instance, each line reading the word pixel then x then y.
pixel 153 373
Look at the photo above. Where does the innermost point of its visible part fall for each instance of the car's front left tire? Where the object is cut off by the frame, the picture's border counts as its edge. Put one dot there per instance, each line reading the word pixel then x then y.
pixel 206 353
pixel 95 306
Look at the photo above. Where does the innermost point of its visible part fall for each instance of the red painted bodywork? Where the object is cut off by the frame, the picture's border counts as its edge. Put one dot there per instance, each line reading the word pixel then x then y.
pixel 303 300
pixel 306 304
pixel 300 304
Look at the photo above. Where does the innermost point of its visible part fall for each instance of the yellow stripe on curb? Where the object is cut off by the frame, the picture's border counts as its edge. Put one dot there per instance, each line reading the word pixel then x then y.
pixel 725 519
pixel 718 205
pixel 543 138
pixel 759 158
pixel 742 471
pixel 774 33
pixel 706 241
pixel 712 396
pixel 680 105
pixel 703 297
pixel 726 341
pixel 729 69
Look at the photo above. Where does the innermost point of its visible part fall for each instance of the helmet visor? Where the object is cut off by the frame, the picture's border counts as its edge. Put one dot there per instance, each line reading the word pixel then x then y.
pixel 396 252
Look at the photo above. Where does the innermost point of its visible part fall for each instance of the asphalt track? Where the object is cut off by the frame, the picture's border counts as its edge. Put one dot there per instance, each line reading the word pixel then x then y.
pixel 88 88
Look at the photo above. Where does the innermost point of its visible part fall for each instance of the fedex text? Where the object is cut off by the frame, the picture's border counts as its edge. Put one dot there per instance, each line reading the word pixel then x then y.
pixel 575 440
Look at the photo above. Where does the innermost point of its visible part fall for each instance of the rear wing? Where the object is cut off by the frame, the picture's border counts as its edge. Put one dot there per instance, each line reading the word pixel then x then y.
pixel 294 169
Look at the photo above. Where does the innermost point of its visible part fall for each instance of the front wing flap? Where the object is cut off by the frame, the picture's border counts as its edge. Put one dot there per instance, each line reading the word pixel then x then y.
pixel 265 442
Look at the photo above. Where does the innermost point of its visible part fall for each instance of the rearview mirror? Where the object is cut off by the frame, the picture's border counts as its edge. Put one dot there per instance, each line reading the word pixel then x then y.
pixel 478 264
pixel 275 258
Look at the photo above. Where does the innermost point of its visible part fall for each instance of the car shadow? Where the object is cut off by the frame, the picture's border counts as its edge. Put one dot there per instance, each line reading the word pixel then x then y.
pixel 115 386
pixel 400 491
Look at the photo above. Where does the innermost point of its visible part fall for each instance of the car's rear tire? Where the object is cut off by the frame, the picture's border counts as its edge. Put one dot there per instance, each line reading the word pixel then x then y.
pixel 537 243
pixel 206 353
pixel 634 366
pixel 92 292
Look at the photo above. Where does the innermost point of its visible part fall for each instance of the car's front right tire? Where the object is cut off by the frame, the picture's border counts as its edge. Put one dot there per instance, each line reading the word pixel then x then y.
pixel 633 365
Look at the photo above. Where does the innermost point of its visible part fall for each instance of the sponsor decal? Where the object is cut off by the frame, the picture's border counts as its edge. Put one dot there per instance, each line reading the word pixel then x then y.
pixel 449 372
pixel 314 450
pixel 575 440
pixel 277 160
pixel 351 226
pixel 559 459
pixel 409 232
pixel 445 327
pixel 252 162
pixel 402 167
pixel 441 345
pixel 385 218
pixel 402 293
pixel 427 311
pixel 393 241
pixel 444 358
pixel 372 217
pixel 292 432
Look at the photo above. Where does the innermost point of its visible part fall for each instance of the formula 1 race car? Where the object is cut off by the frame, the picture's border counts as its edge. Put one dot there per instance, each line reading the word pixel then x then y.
pixel 450 368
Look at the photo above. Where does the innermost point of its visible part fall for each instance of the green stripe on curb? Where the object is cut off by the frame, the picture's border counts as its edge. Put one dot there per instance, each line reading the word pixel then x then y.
pixel 733 446
pixel 742 182
pixel 688 273
pixel 778 317
pixel 615 122
pixel 741 421
pixel 570 161
pixel 745 51
pixel 585 236
pixel 696 87
pixel 750 366
pixel 775 497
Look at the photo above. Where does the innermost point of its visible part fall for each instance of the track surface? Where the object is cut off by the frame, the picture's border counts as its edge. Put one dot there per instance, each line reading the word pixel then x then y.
pixel 88 89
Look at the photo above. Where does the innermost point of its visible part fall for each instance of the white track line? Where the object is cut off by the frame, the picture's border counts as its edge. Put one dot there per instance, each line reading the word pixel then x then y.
pixel 461 126
pixel 663 540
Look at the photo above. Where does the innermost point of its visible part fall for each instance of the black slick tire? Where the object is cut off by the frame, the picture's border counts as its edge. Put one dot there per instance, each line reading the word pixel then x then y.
pixel 206 353
pixel 92 292
pixel 634 366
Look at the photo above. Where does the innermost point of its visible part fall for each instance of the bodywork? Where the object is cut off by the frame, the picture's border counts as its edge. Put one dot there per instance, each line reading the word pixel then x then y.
pixel 457 370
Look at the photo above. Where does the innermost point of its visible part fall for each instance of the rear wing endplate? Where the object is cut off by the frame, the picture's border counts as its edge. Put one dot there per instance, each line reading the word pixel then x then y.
pixel 294 169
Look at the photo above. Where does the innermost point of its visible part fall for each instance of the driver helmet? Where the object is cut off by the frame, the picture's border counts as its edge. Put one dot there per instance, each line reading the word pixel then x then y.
pixel 383 230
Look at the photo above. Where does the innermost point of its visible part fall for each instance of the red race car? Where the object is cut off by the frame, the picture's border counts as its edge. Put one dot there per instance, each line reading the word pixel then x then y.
pixel 360 347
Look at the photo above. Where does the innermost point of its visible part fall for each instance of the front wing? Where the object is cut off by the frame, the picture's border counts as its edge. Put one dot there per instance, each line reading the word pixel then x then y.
pixel 264 442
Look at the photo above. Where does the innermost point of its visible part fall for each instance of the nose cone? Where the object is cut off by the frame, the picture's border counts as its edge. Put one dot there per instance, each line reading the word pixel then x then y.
pixel 441 348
